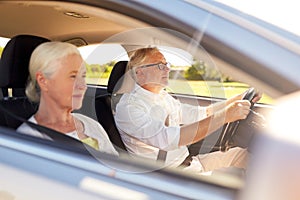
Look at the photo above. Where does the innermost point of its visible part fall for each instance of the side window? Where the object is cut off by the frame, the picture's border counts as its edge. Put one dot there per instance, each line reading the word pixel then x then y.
pixel 100 59
pixel 200 76
pixel 3 42
pixel 188 75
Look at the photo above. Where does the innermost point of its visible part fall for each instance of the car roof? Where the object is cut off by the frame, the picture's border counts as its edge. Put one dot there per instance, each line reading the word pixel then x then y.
pixel 59 21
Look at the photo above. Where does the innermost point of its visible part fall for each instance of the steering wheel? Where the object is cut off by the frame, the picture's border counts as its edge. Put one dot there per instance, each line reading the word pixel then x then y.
pixel 230 128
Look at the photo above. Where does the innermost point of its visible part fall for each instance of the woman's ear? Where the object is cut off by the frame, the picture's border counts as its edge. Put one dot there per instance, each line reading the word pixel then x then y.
pixel 41 81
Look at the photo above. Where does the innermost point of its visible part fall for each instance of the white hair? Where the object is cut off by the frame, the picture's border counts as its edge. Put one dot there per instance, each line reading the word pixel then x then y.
pixel 40 60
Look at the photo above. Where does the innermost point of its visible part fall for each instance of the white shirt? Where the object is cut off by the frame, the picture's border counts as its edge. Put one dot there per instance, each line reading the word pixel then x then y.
pixel 148 122
pixel 91 128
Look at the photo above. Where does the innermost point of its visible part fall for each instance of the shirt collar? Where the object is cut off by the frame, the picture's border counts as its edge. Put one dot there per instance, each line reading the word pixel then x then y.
pixel 147 92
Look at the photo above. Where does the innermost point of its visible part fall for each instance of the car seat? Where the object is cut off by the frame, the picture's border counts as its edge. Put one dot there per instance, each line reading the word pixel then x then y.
pixel 105 105
pixel 14 73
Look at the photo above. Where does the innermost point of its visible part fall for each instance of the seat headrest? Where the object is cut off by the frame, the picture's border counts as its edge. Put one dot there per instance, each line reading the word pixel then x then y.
pixel 116 74
pixel 15 58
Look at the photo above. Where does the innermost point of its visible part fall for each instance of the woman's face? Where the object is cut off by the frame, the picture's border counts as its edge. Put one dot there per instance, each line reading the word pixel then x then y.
pixel 67 85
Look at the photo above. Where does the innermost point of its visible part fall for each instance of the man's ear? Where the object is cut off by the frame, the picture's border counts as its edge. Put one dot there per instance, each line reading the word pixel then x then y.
pixel 139 71
pixel 41 81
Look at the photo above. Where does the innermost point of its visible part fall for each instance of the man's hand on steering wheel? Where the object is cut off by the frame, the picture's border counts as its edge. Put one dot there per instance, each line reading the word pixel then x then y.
pixel 237 110
pixel 229 129
pixel 252 95
pixel 256 97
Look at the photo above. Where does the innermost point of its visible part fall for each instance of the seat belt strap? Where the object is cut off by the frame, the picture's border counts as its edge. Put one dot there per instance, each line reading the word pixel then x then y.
pixel 53 134
pixel 162 155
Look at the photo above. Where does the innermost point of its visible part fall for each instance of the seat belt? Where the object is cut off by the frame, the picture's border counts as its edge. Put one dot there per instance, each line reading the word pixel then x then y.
pixel 53 134
pixel 162 155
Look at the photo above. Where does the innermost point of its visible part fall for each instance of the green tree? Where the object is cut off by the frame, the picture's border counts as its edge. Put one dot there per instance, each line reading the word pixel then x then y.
pixel 99 71
pixel 195 71
pixel 200 70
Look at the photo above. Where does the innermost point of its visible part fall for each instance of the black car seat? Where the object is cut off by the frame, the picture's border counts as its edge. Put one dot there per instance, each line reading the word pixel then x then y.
pixel 105 105
pixel 14 73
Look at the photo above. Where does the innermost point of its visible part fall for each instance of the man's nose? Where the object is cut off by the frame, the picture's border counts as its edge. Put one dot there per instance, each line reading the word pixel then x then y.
pixel 166 68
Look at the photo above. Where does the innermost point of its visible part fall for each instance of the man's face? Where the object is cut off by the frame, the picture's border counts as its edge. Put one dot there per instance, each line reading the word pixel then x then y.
pixel 151 77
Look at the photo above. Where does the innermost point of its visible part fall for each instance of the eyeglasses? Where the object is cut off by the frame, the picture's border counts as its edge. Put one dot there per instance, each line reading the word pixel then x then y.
pixel 160 66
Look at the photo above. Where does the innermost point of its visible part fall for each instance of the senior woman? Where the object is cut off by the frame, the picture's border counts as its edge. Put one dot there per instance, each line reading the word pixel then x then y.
pixel 57 82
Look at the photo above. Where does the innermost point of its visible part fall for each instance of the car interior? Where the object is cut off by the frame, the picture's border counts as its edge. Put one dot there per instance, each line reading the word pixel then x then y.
pixel 104 105
pixel 245 52
pixel 105 26
pixel 14 72
pixel 15 107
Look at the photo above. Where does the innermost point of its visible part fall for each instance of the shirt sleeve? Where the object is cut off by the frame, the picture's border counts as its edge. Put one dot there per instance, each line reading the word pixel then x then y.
pixel 146 124
pixel 191 113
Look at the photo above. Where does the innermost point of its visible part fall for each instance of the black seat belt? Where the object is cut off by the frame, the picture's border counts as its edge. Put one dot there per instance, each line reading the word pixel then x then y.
pixel 53 134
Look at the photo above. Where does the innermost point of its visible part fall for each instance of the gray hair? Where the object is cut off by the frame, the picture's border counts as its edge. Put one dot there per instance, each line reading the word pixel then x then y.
pixel 139 56
pixel 41 59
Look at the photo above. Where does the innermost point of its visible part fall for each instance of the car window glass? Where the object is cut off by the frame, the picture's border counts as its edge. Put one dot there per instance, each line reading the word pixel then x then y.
pixel 100 59
pixel 258 9
pixel 201 77
pixel 188 75
pixel 3 42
